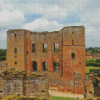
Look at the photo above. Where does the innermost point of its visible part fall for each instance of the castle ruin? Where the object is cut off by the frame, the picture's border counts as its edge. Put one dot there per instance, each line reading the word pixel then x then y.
pixel 60 55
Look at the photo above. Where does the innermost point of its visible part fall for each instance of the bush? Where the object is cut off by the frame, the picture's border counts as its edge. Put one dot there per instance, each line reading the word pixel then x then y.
pixel 92 62
pixel 94 70
pixel 2 55
pixel 98 61
pixel 2 58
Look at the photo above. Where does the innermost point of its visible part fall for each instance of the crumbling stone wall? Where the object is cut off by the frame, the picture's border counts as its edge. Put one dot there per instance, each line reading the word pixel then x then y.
pixel 36 87
pixel 92 85
pixel 71 55
pixel 3 66
pixel 19 83
pixel 12 86
pixel 89 89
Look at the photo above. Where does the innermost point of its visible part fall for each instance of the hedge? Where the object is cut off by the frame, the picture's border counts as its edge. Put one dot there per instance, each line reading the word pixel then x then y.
pixel 94 70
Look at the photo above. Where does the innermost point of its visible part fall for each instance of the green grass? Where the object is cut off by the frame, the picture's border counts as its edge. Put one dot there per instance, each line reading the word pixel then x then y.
pixel 90 67
pixel 63 98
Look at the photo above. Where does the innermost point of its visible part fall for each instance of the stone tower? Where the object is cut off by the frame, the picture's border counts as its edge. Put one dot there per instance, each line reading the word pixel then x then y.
pixel 18 45
pixel 73 58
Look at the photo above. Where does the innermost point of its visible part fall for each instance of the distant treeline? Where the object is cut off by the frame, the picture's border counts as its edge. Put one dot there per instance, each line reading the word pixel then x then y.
pixel 2 55
pixel 93 50
pixel 93 62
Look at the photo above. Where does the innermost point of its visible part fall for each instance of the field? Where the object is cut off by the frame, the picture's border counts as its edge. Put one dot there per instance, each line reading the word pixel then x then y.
pixel 63 98
pixel 90 67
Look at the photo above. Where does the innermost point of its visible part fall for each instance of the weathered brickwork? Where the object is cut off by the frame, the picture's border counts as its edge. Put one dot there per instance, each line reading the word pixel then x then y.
pixel 92 85
pixel 36 51
pixel 3 66
pixel 16 82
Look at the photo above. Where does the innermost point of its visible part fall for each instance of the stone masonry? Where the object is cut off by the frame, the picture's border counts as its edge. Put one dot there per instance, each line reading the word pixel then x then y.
pixel 19 83
pixel 3 66
pixel 39 52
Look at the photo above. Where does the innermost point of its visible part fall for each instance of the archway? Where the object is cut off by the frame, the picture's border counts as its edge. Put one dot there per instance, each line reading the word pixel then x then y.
pixel 34 65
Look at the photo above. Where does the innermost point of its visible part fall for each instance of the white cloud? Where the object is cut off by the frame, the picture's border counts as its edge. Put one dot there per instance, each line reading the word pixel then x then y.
pixel 43 25
pixel 10 19
pixel 49 12
pixel 53 12
pixel 6 5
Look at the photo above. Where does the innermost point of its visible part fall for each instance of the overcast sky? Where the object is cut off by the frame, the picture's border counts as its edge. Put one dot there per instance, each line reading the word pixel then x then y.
pixel 50 15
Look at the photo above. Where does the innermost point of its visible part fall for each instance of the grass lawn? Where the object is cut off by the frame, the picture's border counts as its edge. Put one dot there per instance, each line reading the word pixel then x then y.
pixel 63 98
pixel 90 67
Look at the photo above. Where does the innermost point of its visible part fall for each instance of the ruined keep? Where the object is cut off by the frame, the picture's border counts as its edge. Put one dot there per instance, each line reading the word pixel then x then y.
pixel 60 55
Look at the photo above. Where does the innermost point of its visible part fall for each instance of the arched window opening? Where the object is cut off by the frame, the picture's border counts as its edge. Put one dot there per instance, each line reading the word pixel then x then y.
pixel 45 68
pixel 34 65
pixel 56 66
pixel 72 42
pixel 73 55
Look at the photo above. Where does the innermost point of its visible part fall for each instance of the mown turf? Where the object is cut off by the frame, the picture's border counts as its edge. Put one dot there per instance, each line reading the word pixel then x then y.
pixel 90 67
pixel 62 98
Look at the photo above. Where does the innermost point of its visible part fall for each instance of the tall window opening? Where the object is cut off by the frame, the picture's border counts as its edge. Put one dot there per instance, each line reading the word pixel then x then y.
pixel 44 47
pixel 14 35
pixel 45 68
pixel 15 50
pixel 33 38
pixel 72 42
pixel 34 65
pixel 33 47
pixel 73 55
pixel 56 47
pixel 56 66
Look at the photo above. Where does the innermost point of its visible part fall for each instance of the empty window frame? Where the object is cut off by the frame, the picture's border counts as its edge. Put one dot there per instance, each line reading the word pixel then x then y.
pixel 15 35
pixel 34 65
pixel 44 47
pixel 73 55
pixel 72 42
pixel 56 45
pixel 15 50
pixel 33 47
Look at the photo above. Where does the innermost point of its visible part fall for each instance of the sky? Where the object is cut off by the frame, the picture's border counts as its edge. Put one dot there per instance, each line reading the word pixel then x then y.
pixel 50 15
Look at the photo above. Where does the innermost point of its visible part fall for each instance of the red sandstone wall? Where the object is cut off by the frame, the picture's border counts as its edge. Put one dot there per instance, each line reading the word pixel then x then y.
pixel 13 43
pixel 50 56
pixel 28 52
pixel 72 66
